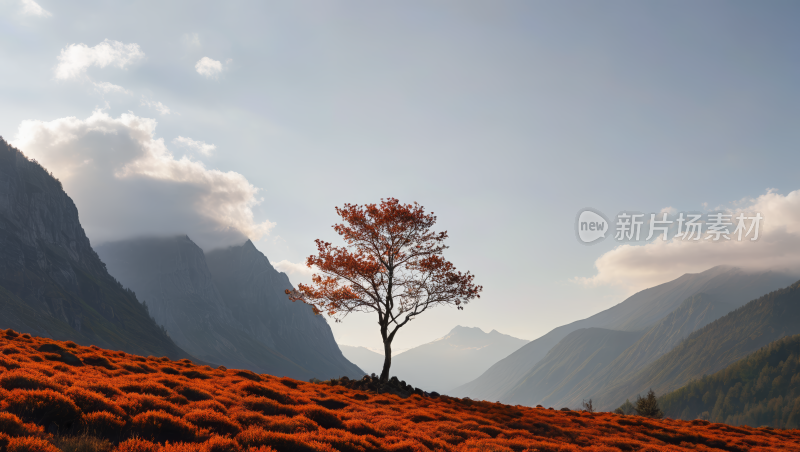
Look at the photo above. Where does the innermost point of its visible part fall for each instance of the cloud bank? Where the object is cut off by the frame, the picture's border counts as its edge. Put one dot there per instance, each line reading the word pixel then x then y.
pixel 208 68
pixel 126 183
pixel 778 247
pixel 298 273
pixel 31 8
pixel 108 88
pixel 199 146
pixel 75 59
pixel 157 106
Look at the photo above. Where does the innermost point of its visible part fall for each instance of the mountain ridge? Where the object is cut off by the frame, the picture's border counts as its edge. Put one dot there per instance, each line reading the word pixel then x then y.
pixel 53 282
pixel 638 312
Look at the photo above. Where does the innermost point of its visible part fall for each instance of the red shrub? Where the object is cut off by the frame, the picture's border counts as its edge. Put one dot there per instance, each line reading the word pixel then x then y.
pixel 42 407
pixel 359 427
pixel 213 421
pixel 261 449
pixel 248 418
pixel 159 426
pixel 249 374
pixel 4 440
pixel 104 388
pixel 182 447
pixel 30 444
pixel 193 394
pixel 8 364
pixel 134 404
pixel 148 387
pixel 137 445
pixel 267 406
pixel 13 426
pixel 325 418
pixel 90 401
pixel 102 424
pixel 193 374
pixel 221 444
pixel 256 436
pixel 285 424
pixel 209 404
pixel 26 379
pixel 263 391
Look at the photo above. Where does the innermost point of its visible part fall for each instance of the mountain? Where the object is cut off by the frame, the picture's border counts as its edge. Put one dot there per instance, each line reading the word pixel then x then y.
pixel 761 389
pixel 637 313
pixel 255 292
pixel 452 360
pixel 371 362
pixel 572 362
pixel 691 315
pixel 225 307
pixel 715 346
pixel 52 283
pixel 170 275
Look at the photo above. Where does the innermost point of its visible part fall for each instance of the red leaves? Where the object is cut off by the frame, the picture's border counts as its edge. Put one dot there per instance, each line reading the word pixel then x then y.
pixel 391 264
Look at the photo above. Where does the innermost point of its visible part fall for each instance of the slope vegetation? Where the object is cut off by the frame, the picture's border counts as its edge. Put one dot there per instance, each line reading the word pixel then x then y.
pixel 53 390
pixel 693 314
pixel 762 389
pixel 637 313
pixel 715 346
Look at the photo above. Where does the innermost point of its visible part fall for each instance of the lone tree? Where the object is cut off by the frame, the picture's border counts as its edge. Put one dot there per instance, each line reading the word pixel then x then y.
pixel 648 405
pixel 391 264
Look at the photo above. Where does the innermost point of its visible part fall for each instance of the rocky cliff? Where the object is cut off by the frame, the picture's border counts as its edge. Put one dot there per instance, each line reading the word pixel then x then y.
pixel 170 275
pixel 254 291
pixel 52 283
pixel 227 307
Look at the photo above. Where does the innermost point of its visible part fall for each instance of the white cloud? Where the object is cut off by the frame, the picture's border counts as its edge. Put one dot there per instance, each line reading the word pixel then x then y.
pixel 75 59
pixel 107 88
pixel 126 182
pixel 296 272
pixel 208 67
pixel 199 146
pixel 778 247
pixel 158 106
pixel 31 8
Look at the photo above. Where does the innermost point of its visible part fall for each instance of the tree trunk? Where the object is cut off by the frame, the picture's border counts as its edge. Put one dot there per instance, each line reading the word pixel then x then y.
pixel 387 360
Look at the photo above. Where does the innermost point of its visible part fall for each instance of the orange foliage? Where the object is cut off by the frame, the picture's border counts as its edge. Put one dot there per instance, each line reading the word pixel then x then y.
pixel 240 411
pixel 392 264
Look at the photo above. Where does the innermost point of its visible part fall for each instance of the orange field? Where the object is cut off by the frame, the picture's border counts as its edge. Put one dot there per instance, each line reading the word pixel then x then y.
pixel 52 390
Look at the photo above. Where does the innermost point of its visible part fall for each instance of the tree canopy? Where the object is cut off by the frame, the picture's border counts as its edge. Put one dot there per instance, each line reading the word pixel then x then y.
pixel 391 264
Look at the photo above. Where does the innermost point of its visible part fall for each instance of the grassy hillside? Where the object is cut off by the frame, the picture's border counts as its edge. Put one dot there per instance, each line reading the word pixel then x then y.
pixel 762 389
pixel 94 400
pixel 716 346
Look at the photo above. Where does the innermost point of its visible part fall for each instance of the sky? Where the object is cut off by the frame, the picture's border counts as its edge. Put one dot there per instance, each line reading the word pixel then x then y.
pixel 234 120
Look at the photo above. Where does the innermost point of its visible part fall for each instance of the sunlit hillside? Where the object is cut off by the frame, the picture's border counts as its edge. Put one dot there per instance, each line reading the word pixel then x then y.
pixel 62 395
